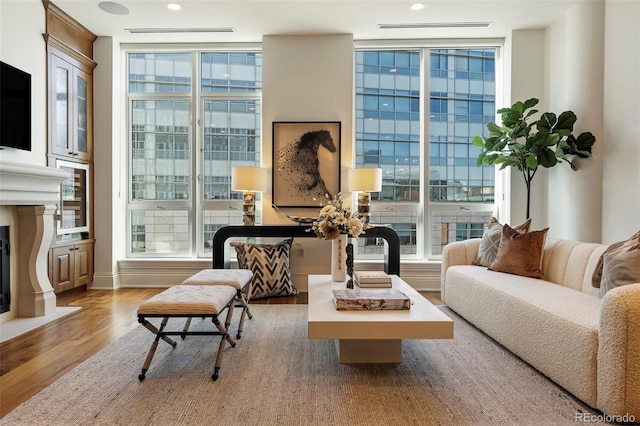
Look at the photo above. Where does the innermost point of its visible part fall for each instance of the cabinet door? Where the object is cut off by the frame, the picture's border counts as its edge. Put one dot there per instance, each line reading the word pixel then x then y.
pixel 63 259
pixel 83 264
pixel 82 123
pixel 71 109
pixel 60 106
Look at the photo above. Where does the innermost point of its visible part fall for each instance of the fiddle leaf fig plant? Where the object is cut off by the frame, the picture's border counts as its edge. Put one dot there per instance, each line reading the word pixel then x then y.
pixel 526 143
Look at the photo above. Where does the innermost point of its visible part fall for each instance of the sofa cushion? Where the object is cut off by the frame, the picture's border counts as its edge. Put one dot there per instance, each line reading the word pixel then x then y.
pixel 571 263
pixel 270 266
pixel 619 265
pixel 520 253
pixel 491 240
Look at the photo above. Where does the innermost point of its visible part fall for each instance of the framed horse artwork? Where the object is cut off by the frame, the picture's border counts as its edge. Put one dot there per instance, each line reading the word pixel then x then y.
pixel 306 163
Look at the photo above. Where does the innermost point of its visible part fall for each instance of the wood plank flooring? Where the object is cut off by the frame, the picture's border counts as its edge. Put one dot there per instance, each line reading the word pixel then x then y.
pixel 34 360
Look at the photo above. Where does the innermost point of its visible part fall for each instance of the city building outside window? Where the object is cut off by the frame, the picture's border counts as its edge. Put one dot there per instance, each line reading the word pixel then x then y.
pixel 432 191
pixel 192 117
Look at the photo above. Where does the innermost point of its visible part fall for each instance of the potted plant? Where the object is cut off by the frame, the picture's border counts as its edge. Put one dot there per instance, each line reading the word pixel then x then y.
pixel 526 144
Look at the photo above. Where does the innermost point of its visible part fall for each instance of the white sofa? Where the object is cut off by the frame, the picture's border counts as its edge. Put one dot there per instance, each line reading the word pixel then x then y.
pixel 560 325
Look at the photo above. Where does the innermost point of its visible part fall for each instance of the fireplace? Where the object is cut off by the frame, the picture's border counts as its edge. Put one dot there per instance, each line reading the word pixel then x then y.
pixel 28 197
pixel 5 288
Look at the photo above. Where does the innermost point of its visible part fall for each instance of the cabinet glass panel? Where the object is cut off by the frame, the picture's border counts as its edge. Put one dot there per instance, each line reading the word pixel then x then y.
pixel 82 102
pixel 61 106
pixel 73 211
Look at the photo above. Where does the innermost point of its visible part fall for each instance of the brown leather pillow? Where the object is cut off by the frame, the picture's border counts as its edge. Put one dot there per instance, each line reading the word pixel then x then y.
pixel 520 254
pixel 490 242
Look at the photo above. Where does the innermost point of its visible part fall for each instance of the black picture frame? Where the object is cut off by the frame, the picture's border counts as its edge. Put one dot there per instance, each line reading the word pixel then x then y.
pixel 306 162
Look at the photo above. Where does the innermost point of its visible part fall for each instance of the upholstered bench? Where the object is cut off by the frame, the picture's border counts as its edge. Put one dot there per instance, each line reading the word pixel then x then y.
pixel 187 302
pixel 239 279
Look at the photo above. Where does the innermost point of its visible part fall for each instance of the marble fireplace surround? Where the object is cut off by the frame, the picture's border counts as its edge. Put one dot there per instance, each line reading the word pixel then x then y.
pixel 34 192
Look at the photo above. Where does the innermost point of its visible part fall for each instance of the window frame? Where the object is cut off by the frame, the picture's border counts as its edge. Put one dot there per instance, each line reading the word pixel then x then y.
pixel 195 206
pixel 424 209
pixel 199 205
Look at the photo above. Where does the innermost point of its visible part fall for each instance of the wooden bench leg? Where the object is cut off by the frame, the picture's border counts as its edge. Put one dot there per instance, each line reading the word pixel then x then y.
pixel 154 345
pixel 244 303
pixel 225 337
pixel 185 328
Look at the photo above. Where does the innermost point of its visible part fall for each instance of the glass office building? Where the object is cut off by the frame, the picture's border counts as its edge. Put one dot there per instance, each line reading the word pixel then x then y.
pixel 417 111
pixel 432 191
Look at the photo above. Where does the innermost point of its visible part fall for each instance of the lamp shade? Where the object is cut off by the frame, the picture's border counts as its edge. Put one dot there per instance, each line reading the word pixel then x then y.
pixel 365 179
pixel 246 178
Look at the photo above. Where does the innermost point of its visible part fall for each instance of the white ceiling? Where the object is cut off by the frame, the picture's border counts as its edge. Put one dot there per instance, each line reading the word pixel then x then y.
pixel 251 19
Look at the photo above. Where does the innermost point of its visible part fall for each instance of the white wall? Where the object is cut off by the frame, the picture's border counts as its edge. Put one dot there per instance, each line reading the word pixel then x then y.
pixel 22 24
pixel 110 164
pixel 527 81
pixel 620 139
pixel 574 75
pixel 306 78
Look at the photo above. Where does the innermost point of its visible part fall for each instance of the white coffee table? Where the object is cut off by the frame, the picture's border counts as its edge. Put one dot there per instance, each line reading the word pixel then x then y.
pixel 372 336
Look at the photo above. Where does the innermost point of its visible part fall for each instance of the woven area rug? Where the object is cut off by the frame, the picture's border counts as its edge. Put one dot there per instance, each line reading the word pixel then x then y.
pixel 276 376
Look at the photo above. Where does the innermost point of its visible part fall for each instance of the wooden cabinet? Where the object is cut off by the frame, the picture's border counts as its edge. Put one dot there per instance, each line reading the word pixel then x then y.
pixel 71 265
pixel 70 147
pixel 70 107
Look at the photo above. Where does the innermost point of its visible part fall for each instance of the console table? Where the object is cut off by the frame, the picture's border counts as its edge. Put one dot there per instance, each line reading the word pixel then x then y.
pixel 391 246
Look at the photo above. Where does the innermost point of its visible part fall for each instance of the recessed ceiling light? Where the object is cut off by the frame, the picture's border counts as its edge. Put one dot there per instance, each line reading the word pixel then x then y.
pixel 417 6
pixel 113 8
pixel 174 6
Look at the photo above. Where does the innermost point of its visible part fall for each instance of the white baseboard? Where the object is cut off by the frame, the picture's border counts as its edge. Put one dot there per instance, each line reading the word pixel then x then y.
pixel 150 273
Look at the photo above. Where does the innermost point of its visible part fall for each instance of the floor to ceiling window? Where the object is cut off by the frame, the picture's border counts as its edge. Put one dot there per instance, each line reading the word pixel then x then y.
pixel 192 117
pixel 417 111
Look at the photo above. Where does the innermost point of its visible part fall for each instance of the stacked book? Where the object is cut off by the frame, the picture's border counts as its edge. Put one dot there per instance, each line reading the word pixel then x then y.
pixel 371 300
pixel 378 279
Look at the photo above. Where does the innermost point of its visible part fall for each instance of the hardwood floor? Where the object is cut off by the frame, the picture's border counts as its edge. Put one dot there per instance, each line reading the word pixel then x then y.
pixel 34 360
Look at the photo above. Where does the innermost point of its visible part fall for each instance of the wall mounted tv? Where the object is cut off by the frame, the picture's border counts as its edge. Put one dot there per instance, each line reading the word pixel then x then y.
pixel 15 108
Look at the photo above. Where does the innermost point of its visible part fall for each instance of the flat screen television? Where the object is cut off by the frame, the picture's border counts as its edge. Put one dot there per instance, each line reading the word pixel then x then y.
pixel 15 108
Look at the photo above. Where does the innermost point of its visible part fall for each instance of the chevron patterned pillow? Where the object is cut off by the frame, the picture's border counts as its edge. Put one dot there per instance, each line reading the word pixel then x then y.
pixel 270 266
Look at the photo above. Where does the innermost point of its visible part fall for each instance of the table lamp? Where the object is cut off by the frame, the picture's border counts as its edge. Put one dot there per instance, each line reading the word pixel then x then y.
pixel 364 180
pixel 249 180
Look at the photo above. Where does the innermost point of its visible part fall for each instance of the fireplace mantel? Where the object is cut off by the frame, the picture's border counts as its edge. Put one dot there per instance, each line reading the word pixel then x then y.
pixel 34 191
pixel 29 185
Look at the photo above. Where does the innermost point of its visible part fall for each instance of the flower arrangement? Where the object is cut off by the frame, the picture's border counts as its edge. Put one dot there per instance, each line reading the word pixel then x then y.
pixel 334 220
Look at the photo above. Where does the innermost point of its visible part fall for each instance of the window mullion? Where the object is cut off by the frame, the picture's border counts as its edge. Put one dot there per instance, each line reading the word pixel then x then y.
pixel 424 238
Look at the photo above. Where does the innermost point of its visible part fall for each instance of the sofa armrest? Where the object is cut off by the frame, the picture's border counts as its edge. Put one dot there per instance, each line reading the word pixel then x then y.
pixel 619 352
pixel 457 253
